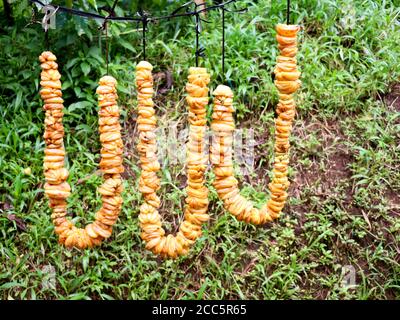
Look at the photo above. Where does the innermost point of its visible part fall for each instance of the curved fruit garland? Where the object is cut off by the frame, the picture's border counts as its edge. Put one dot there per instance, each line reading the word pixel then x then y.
pixel 197 194
pixel 56 187
pixel 286 75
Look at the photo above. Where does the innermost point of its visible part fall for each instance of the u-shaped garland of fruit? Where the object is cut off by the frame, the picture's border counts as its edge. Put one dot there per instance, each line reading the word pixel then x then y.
pixel 57 188
pixel 223 125
pixel 197 193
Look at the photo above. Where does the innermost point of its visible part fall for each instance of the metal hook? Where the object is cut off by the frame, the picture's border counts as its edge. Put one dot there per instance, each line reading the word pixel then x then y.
pixel 288 12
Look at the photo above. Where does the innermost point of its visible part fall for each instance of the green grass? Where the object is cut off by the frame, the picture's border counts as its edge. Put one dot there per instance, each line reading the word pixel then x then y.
pixel 344 203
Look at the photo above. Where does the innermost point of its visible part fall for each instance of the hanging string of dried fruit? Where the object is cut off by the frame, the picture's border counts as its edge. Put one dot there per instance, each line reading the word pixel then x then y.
pixel 287 82
pixel 57 188
pixel 197 193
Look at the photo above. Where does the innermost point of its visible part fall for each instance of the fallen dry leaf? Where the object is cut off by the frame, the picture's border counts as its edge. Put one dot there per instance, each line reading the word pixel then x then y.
pixel 18 221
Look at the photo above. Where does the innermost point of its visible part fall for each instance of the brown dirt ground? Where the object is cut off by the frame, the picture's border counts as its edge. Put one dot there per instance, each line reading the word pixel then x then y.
pixel 392 99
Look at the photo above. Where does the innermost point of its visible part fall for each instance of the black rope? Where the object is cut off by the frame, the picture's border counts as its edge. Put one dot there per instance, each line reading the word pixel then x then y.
pixel 46 20
pixel 288 12
pixel 144 22
pixel 114 5
pixel 106 27
pixel 197 52
pixel 223 11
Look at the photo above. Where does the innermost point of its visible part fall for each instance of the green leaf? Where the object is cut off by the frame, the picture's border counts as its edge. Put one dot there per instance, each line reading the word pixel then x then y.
pixel 84 127
pixel 126 45
pixel 18 99
pixel 66 84
pixel 93 3
pixel 79 105
pixel 85 262
pixel 9 285
pixel 95 52
pixel 166 48
pixel 202 289
pixel 85 68
pixel 71 63
pixel 78 296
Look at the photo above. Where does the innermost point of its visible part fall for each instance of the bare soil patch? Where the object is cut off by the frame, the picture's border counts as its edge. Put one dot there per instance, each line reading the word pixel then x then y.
pixel 392 98
pixel 329 166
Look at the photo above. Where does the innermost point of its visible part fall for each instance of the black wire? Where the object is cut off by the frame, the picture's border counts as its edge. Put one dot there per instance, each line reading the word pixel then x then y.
pixel 111 13
pixel 223 43
pixel 46 32
pixel 193 13
pixel 223 11
pixel 127 19
pixel 144 21
pixel 185 5
pixel 46 40
pixel 288 12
